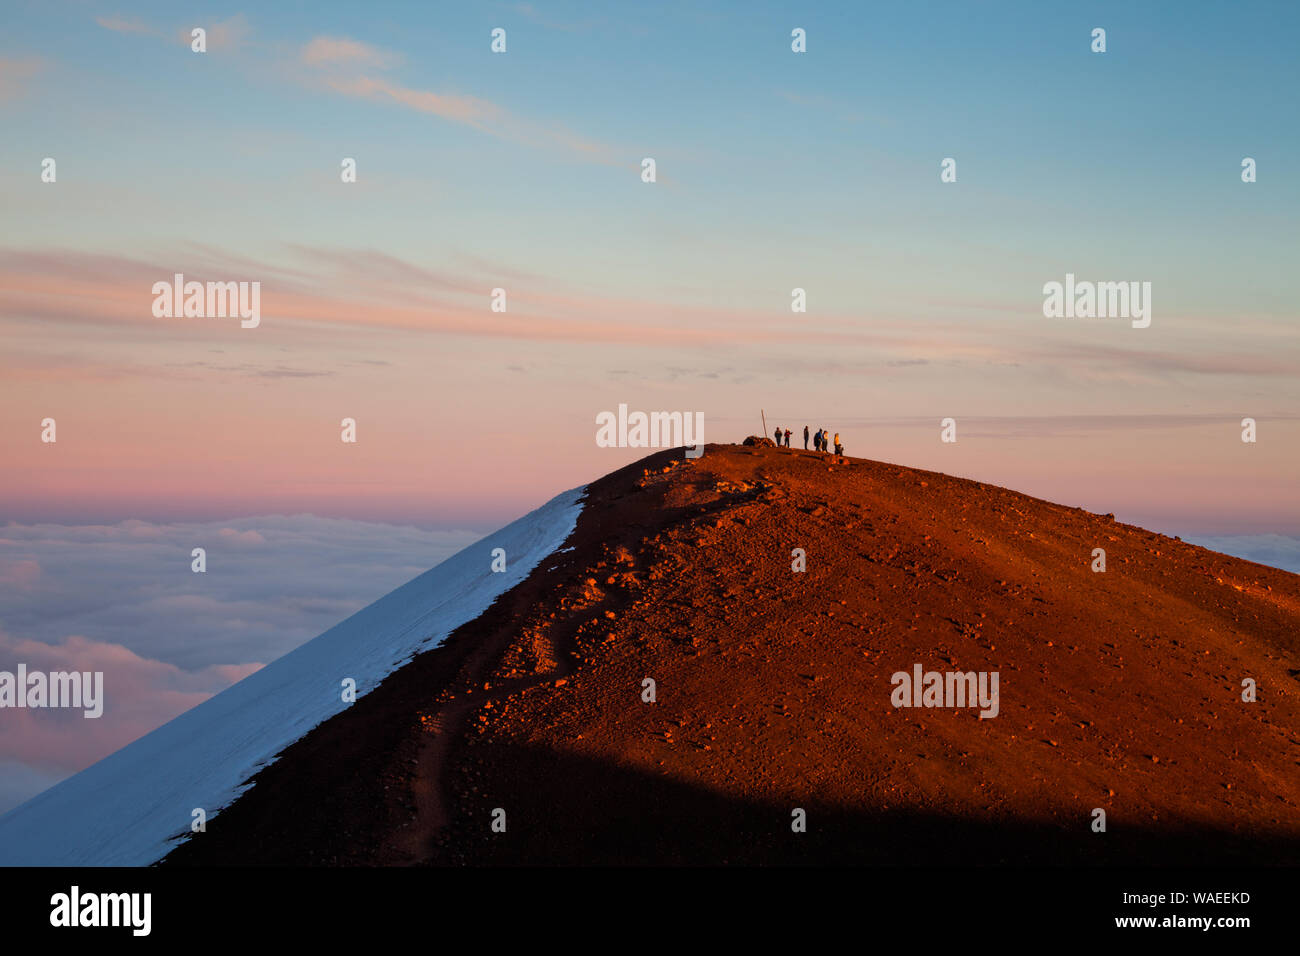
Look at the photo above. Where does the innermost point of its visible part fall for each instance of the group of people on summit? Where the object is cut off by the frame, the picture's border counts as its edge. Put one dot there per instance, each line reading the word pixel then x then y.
pixel 820 440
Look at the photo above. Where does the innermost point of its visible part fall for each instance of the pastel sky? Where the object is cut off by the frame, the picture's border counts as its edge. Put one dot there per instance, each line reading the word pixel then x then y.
pixel 522 171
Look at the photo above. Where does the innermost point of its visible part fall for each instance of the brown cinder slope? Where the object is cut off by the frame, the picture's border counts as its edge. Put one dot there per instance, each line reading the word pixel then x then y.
pixel 1119 691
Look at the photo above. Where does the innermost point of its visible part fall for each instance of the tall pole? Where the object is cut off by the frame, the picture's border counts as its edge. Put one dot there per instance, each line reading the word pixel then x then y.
pixel 764 414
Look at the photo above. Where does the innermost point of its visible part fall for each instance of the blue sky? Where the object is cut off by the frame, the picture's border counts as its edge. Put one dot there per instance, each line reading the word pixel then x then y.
pixel 826 160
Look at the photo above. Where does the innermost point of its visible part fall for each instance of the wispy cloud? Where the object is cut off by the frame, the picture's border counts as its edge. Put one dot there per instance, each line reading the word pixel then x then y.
pixel 366 287
pixel 122 25
pixel 1042 426
pixel 464 109
pixel 223 35
pixel 354 69
pixel 324 50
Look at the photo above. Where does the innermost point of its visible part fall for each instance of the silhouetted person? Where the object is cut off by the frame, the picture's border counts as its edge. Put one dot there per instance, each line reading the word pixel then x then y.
pixel 787 438
pixel 805 438
pixel 777 433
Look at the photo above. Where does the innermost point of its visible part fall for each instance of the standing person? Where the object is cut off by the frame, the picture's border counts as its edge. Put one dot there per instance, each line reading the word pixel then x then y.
pixel 805 438
pixel 839 450
pixel 778 437
pixel 826 441
pixel 817 440
pixel 787 438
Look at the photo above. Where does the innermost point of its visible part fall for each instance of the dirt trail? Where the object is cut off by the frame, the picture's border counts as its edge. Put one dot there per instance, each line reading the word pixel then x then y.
pixel 450 717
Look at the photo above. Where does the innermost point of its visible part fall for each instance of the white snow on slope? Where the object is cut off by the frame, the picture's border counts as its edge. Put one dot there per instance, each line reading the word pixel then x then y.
pixel 130 808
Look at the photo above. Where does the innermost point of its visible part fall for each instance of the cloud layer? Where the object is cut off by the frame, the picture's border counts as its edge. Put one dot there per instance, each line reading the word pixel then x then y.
pixel 122 599
pixel 1275 550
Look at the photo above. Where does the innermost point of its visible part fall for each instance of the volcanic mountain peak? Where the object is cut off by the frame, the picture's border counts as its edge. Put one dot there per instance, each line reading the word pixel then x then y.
pixel 713 669
pixel 758 655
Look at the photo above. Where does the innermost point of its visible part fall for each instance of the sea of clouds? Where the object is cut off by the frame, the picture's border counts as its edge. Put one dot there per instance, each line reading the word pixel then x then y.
pixel 122 599
pixel 1275 550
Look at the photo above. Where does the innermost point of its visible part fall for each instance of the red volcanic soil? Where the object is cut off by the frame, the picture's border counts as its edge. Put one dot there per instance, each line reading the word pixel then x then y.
pixel 1119 691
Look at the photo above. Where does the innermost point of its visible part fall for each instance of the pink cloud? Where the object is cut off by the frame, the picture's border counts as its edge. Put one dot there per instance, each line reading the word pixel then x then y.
pixel 226 34
pixel 122 25
pixel 341 65
pixel 234 673
pixel 539 316
pixel 325 50
pixel 366 288
pixel 464 109
pixel 139 694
